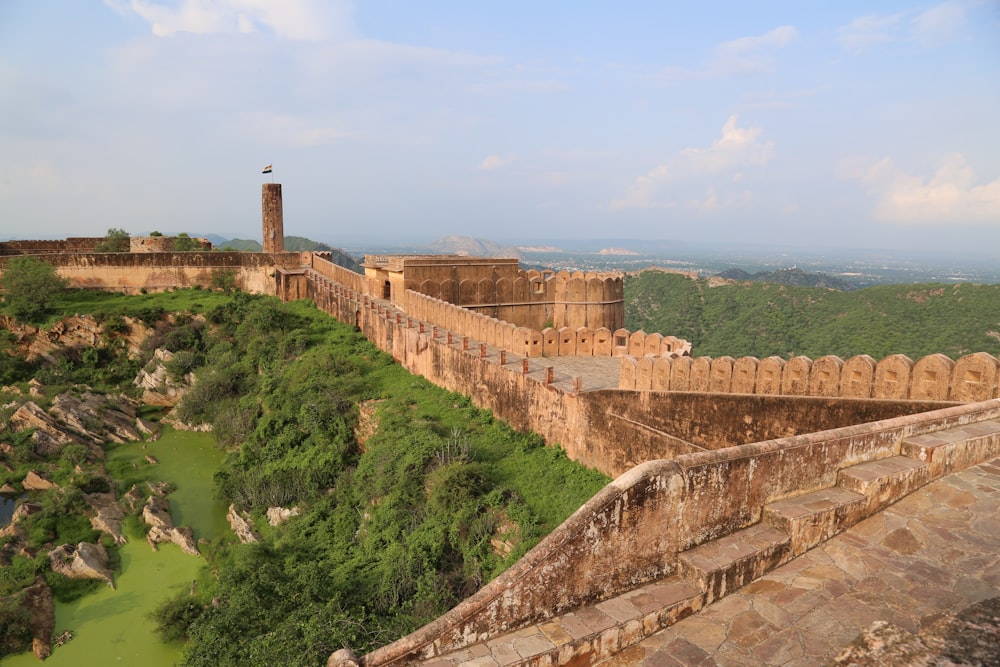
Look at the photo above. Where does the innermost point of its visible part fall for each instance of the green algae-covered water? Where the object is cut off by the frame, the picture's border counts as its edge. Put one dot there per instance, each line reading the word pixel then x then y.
pixel 112 627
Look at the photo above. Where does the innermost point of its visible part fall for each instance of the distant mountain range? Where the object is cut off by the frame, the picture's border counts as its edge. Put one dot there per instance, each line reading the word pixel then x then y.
pixel 793 276
pixel 472 247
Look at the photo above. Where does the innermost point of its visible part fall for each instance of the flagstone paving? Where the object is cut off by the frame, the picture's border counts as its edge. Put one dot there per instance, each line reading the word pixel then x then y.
pixel 928 557
pixel 914 566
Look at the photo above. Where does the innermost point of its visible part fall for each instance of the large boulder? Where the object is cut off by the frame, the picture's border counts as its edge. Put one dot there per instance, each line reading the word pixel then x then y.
pixel 35 481
pixel 82 561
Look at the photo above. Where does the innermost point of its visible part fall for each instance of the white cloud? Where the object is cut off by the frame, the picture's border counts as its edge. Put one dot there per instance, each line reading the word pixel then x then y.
pixel 737 146
pixel 491 162
pixel 939 24
pixel 932 27
pixel 746 55
pixel 868 31
pixel 293 19
pixel 952 194
pixel 721 163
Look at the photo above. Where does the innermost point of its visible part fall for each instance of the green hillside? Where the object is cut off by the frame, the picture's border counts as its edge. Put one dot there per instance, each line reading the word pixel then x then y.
pixel 765 319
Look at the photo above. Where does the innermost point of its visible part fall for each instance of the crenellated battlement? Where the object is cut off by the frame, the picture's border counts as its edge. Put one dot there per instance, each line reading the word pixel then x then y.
pixel 974 377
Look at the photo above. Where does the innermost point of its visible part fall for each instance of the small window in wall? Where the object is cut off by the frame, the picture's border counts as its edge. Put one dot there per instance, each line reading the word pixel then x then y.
pixel 387 290
pixel 621 341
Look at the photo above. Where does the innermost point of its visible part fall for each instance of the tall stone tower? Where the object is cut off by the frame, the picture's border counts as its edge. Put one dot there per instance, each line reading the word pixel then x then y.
pixel 274 226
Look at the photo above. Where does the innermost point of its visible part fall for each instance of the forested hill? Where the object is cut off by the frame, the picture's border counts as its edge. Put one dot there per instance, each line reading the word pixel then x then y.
pixel 793 276
pixel 765 319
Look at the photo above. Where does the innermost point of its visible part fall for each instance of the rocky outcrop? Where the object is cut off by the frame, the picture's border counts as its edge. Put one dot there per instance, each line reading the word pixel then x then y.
pixel 37 600
pixel 279 515
pixel 173 420
pixel 108 515
pixel 49 436
pixel 156 513
pixel 99 419
pixel 133 498
pixel 344 657
pixel 23 510
pixel 82 561
pixel 75 331
pixel 241 526
pixel 159 388
pixel 90 420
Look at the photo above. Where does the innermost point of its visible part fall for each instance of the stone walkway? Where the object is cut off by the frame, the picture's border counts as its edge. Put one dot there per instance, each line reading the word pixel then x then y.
pixel 929 556
pixel 917 563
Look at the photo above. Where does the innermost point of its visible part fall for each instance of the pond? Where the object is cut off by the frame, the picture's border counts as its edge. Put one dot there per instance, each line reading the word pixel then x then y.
pixel 112 626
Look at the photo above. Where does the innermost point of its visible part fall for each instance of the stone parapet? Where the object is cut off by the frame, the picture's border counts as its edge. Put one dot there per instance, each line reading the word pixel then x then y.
pixel 974 377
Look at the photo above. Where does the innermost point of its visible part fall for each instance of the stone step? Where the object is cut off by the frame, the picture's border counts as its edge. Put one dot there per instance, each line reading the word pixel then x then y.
pixel 588 634
pixel 884 481
pixel 728 563
pixel 955 448
pixel 815 517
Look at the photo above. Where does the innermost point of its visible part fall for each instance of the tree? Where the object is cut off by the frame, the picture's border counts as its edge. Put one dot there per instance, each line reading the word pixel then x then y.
pixel 30 285
pixel 184 243
pixel 116 240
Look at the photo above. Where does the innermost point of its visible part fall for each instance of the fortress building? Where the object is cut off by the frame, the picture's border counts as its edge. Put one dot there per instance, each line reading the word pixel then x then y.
pixel 725 468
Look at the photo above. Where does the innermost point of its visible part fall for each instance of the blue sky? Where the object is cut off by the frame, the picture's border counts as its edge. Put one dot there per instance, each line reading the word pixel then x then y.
pixel 847 124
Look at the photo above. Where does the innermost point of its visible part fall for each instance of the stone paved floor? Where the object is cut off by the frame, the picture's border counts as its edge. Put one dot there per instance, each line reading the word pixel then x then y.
pixel 934 553
pixel 931 555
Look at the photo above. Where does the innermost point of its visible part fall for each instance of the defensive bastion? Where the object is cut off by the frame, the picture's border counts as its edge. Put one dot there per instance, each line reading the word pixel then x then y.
pixel 702 449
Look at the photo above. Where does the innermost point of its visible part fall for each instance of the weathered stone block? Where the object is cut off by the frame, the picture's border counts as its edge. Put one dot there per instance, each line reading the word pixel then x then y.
pixel 974 378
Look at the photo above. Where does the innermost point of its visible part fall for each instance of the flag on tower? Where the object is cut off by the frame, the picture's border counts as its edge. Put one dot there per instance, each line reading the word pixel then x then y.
pixel 267 170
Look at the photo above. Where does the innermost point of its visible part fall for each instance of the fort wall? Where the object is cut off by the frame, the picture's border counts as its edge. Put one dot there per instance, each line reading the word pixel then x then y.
pixel 500 289
pixel 974 377
pixel 132 273
pixel 535 299
pixel 607 430
pixel 549 342
pixel 78 244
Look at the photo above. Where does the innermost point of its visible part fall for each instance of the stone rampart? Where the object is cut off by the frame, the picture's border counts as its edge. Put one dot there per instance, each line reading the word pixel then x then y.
pixel 150 244
pixel 974 377
pixel 134 272
pixel 608 430
pixel 534 299
pixel 355 281
pixel 72 244
pixel 606 547
pixel 548 342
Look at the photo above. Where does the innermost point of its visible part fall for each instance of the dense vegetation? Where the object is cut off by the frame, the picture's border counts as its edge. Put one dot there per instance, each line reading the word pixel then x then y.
pixel 437 500
pixel 74 468
pixel 763 320
pixel 410 497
